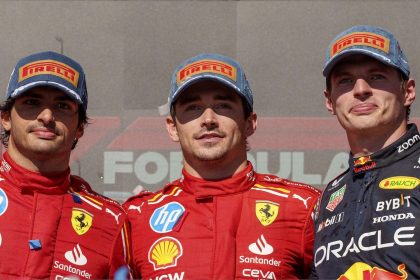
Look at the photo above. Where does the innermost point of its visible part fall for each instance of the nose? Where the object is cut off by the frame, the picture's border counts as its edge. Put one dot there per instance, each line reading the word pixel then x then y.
pixel 46 116
pixel 361 88
pixel 209 118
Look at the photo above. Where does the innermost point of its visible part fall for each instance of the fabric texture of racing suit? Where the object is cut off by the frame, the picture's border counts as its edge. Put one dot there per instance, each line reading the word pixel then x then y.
pixel 246 227
pixel 53 227
pixel 368 222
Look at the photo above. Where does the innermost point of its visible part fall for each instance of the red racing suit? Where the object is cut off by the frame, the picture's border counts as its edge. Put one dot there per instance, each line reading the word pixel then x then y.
pixel 56 227
pixel 250 226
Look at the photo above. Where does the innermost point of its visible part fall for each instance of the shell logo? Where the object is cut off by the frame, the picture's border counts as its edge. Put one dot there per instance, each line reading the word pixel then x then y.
pixel 165 252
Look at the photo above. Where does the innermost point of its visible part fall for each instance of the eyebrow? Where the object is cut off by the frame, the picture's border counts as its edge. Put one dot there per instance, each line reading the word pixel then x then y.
pixel 196 97
pixel 32 94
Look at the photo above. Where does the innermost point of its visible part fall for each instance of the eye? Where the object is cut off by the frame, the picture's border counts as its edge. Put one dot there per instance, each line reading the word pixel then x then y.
pixel 31 101
pixel 345 81
pixel 223 105
pixel 192 107
pixel 66 106
pixel 377 77
pixel 63 105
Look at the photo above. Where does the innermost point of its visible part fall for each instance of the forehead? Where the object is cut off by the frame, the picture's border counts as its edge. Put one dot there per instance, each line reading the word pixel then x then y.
pixel 205 89
pixel 360 61
pixel 46 92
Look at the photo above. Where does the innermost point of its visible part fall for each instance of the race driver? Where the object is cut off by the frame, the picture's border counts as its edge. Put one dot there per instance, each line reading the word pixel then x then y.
pixel 368 225
pixel 52 225
pixel 220 219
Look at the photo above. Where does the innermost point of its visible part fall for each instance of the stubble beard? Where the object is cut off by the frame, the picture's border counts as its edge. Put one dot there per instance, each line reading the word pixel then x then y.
pixel 210 153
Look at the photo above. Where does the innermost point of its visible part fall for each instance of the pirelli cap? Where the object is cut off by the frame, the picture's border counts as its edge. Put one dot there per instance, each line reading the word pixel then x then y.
pixel 373 41
pixel 49 69
pixel 208 66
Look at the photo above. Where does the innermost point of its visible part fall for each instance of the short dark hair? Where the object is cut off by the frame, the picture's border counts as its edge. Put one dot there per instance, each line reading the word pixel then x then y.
pixel 6 107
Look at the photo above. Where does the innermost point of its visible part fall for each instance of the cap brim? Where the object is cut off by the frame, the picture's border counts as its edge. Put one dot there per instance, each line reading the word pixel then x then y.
pixel 201 78
pixel 71 93
pixel 346 53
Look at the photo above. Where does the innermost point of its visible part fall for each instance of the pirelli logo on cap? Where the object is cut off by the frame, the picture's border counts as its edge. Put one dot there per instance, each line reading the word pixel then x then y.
pixel 368 39
pixel 206 65
pixel 49 67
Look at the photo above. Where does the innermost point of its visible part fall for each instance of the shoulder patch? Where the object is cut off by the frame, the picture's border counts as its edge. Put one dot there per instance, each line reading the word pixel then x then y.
pixel 150 198
pixel 336 182
pixel 287 184
pixel 278 191
pixel 160 196
pixel 82 189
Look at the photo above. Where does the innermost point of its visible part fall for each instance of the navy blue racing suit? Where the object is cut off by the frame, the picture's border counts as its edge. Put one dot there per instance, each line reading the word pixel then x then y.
pixel 368 217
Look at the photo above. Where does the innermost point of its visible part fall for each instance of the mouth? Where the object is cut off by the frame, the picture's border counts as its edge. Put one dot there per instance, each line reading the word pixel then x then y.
pixel 210 137
pixel 363 108
pixel 44 133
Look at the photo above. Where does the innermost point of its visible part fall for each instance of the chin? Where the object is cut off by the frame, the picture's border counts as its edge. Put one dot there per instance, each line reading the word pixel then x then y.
pixel 210 156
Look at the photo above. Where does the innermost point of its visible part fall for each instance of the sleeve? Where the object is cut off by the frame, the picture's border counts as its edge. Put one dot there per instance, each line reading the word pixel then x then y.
pixel 121 257
pixel 308 240
pixel 314 215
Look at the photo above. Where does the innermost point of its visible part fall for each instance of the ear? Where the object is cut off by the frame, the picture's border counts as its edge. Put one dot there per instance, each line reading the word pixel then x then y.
pixel 172 129
pixel 328 102
pixel 80 131
pixel 251 124
pixel 410 92
pixel 5 121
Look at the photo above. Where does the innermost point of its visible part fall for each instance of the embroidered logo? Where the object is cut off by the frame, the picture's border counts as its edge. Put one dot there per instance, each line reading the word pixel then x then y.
pixel 81 220
pixel 336 198
pixel 266 211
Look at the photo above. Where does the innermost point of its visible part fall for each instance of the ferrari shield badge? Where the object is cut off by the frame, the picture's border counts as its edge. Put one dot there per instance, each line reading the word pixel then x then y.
pixel 266 211
pixel 81 220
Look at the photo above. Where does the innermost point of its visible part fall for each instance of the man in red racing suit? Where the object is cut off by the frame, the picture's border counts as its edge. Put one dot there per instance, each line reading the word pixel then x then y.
pixel 52 225
pixel 213 224
pixel 56 226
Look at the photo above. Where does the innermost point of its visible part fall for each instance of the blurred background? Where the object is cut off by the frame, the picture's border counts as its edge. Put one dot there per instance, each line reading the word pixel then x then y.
pixel 129 49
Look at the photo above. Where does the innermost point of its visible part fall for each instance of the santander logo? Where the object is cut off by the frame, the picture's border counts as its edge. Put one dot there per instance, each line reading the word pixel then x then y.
pixel 261 247
pixel 76 256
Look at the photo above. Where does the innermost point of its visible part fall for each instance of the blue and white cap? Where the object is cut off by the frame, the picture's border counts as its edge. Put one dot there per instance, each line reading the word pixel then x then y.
pixel 372 41
pixel 49 69
pixel 208 66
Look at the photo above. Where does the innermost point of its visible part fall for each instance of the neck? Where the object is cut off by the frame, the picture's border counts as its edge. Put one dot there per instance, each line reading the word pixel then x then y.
pixel 216 169
pixel 368 142
pixel 39 162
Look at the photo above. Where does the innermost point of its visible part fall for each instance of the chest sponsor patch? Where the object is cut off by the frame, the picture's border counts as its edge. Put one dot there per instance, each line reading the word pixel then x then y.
pixel 81 220
pixel 76 256
pixel 266 211
pixel 4 202
pixel 261 247
pixel 165 252
pixel 165 218
pixel 336 198
pixel 399 183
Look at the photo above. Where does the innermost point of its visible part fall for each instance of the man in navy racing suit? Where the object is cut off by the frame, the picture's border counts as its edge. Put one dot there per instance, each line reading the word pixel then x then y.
pixel 367 225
